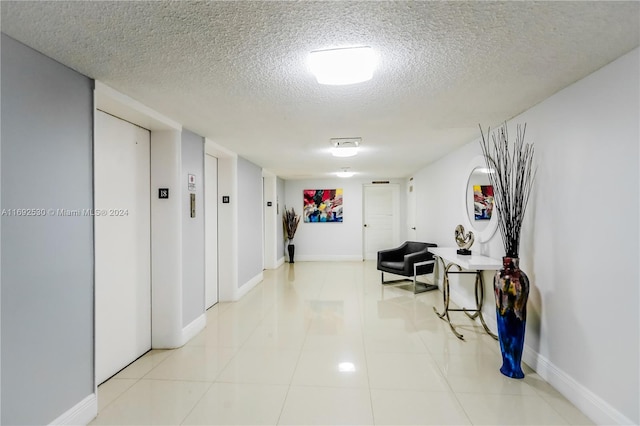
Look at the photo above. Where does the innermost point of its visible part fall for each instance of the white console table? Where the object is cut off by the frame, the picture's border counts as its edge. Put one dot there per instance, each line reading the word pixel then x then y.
pixel 472 264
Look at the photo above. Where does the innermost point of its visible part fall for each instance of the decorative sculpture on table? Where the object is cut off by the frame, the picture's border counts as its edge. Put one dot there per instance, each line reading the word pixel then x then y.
pixel 464 241
pixel 512 179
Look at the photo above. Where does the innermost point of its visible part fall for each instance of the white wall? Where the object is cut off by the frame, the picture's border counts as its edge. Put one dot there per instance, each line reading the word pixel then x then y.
pixel 333 241
pixel 272 239
pixel 250 224
pixel 192 159
pixel 279 226
pixel 580 238
pixel 166 240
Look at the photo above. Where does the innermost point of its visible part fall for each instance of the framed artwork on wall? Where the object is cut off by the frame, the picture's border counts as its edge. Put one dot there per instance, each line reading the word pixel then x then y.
pixel 322 205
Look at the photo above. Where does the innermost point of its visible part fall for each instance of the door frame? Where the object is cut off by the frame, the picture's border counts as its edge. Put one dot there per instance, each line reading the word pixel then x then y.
pixel 412 210
pixel 208 244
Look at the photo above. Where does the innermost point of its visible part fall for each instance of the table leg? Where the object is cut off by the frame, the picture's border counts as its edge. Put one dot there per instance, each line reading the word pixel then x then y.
pixel 479 296
pixel 445 287
pixel 445 292
pixel 480 301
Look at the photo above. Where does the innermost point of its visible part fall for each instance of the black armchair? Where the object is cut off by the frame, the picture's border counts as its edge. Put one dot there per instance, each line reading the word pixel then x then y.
pixel 409 260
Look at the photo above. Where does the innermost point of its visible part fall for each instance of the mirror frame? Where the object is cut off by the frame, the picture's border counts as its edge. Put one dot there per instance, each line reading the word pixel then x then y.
pixel 487 233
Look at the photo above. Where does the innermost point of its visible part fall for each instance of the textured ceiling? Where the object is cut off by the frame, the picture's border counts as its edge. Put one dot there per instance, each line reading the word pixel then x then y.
pixel 236 71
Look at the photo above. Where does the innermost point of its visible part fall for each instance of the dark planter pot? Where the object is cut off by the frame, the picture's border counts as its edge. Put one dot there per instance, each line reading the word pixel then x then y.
pixel 292 251
pixel 511 286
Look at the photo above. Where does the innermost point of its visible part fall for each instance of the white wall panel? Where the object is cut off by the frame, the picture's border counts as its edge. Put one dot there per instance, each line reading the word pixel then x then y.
pixel 580 242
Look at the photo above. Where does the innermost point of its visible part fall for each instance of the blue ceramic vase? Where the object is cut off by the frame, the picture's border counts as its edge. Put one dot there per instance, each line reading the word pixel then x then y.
pixel 511 286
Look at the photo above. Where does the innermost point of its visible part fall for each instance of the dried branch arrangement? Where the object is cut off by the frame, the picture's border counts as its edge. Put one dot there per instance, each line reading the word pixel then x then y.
pixel 290 220
pixel 511 173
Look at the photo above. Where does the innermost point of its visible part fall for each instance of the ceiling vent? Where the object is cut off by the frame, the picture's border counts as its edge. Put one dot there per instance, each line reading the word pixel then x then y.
pixel 345 147
pixel 345 173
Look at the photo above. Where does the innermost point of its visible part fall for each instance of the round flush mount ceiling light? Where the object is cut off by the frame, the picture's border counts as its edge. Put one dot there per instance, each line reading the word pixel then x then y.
pixel 346 367
pixel 345 173
pixel 342 66
pixel 345 147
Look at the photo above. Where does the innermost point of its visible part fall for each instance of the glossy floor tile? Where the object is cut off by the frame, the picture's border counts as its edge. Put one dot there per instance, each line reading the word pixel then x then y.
pixel 194 363
pixel 403 407
pixel 311 405
pixel 239 404
pixel 153 402
pixel 325 343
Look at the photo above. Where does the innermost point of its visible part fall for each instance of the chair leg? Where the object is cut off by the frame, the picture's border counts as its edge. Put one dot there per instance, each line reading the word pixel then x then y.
pixel 392 281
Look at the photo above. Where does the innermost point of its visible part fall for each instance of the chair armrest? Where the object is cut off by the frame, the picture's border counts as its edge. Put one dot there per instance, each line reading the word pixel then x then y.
pixel 419 256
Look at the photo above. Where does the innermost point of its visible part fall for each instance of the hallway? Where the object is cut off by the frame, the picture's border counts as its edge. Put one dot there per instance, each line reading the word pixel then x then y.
pixel 323 343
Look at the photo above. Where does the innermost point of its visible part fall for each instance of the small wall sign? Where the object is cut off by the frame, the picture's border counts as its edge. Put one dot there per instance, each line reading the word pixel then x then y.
pixel 269 203
pixel 225 199
pixel 163 192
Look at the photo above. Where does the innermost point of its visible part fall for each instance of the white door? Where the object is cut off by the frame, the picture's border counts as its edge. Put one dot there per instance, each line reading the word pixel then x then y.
pixel 122 201
pixel 412 233
pixel 211 229
pixel 381 218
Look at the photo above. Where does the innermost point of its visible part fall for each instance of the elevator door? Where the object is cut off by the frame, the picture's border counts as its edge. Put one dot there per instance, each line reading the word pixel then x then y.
pixel 122 243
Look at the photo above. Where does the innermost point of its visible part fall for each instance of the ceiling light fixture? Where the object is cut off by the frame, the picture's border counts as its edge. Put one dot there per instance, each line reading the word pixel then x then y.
pixel 346 367
pixel 345 173
pixel 345 147
pixel 343 66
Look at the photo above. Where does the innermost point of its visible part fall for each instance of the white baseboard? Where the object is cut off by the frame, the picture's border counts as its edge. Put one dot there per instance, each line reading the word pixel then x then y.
pixel 594 407
pixel 80 414
pixel 275 265
pixel 248 286
pixel 194 327
pixel 329 258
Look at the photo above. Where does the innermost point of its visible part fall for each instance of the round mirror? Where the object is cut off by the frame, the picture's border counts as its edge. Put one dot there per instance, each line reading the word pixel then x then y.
pixel 480 215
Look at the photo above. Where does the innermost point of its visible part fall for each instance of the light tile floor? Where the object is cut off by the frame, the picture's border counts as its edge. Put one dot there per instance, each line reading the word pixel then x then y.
pixel 325 343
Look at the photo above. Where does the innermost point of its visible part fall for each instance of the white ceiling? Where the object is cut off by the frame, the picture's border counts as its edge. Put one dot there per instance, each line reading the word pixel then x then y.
pixel 236 72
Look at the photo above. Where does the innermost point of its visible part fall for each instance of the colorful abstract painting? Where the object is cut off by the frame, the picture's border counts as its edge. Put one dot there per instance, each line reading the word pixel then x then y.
pixel 483 201
pixel 322 205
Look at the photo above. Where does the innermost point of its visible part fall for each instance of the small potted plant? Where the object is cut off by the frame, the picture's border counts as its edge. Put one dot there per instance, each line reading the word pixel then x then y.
pixel 290 221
